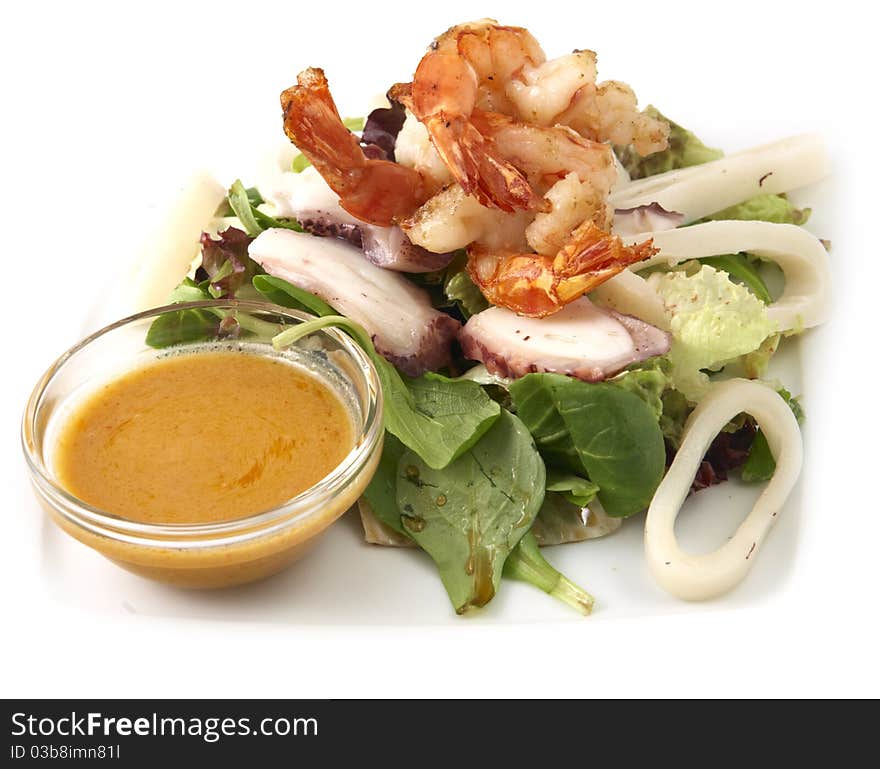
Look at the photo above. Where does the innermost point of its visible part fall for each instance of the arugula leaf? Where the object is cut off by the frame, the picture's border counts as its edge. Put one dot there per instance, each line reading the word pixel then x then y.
pixel 252 219
pixel 526 563
pixel 354 123
pixel 254 198
pixel 739 267
pixel 437 417
pixel 471 514
pixel 760 465
pixel 281 292
pixel 598 430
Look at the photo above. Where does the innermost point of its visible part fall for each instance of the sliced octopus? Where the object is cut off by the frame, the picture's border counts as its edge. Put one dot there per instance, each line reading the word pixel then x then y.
pixel 581 340
pixel 398 315
pixel 307 198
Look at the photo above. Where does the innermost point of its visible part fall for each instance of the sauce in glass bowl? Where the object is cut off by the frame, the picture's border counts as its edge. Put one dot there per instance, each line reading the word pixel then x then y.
pixel 209 462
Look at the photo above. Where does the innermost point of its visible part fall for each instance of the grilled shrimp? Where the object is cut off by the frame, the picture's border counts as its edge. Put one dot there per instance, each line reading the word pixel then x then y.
pixel 608 112
pixel 547 154
pixel 564 91
pixel 536 285
pixel 376 191
pixel 467 68
pixel 575 173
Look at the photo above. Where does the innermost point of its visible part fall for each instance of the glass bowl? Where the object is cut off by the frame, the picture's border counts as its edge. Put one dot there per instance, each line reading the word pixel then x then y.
pixel 205 555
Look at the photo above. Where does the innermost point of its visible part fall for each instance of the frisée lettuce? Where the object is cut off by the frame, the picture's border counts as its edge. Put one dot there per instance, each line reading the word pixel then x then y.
pixel 712 319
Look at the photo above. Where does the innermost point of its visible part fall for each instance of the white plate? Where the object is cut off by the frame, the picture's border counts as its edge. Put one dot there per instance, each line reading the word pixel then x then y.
pixel 346 581
pixel 106 126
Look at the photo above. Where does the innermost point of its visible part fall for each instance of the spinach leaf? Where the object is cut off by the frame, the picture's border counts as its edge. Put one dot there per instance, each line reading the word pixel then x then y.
pixel 526 563
pixel 437 417
pixel 760 465
pixel 252 219
pixel 579 491
pixel 740 268
pixel 470 515
pixel 382 491
pixel 459 288
pixel 286 294
pixel 559 521
pixel 185 326
pixel 599 430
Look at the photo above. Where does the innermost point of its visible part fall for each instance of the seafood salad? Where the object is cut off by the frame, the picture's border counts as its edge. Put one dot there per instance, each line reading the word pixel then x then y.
pixel 571 304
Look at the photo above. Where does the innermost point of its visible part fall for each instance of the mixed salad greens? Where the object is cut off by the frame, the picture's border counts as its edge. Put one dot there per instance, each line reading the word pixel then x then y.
pixel 478 470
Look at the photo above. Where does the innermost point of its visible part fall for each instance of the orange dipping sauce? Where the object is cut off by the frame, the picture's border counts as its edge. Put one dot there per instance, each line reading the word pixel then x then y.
pixel 206 437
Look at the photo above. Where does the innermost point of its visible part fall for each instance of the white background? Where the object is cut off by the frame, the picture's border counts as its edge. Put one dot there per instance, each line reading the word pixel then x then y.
pixel 106 107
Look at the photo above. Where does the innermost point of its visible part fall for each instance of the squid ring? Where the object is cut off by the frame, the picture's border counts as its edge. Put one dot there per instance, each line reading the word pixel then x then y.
pixel 699 577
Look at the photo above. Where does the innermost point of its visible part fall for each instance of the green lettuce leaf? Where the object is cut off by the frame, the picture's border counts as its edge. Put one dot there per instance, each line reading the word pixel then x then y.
pixel 764 208
pixel 684 150
pixel 649 381
pixel 755 364
pixel 676 410
pixel 713 320
pixel 738 267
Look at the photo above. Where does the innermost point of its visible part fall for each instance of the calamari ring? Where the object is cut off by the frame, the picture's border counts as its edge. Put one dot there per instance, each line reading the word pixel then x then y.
pixel 806 297
pixel 699 577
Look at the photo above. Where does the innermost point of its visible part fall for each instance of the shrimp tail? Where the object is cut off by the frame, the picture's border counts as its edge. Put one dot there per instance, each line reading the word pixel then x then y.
pixel 478 168
pixel 590 257
pixel 535 285
pixel 376 191
pixel 442 97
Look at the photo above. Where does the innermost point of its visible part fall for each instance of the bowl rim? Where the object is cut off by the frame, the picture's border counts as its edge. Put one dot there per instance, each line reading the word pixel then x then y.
pixel 177 535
